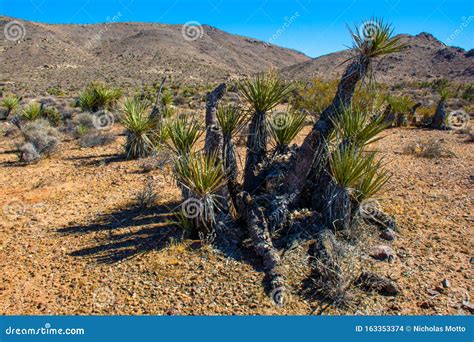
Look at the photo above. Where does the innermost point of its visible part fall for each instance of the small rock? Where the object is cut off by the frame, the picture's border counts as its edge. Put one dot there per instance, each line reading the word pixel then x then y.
pixel 468 306
pixel 426 305
pixel 388 234
pixel 370 281
pixel 382 253
pixel 445 283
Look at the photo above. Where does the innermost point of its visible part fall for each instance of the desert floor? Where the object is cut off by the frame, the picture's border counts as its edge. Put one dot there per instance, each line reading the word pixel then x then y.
pixel 71 241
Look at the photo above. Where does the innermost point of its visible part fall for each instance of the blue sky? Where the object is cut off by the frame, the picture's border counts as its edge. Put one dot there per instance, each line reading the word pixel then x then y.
pixel 314 27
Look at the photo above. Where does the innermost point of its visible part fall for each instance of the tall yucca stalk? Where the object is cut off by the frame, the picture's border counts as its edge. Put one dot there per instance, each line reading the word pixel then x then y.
pixel 200 176
pixel 142 135
pixel 353 125
pixel 183 133
pixel 11 103
pixel 263 92
pixel 313 152
pixel 231 120
pixel 286 127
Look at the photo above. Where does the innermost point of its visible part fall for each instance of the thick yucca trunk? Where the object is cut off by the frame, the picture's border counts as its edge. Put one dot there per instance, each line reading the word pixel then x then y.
pixel 213 143
pixel 230 168
pixel 312 154
pixel 337 209
pixel 256 151
pixel 439 119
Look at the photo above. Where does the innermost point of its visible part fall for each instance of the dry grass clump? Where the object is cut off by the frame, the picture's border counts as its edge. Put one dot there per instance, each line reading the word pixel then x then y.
pixel 40 140
pixel 432 148
pixel 95 139
pixel 147 196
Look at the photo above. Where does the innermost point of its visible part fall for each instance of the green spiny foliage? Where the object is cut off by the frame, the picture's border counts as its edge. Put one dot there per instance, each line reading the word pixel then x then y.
pixel 200 173
pixel 264 91
pixel 357 171
pixel 400 104
pixel 356 126
pixel 141 130
pixel 32 111
pixel 98 96
pixel 371 182
pixel 183 133
pixel 374 39
pixel 286 126
pixel 11 103
pixel 200 176
pixel 166 98
pixel 231 119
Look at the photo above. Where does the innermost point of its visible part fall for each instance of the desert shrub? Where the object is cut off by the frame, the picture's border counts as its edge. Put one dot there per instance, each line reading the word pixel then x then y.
pixel 32 111
pixel 43 137
pixel 315 96
pixel 98 96
pixel 156 162
pixel 147 196
pixel 11 104
pixel 468 93
pixel 141 130
pixel 400 104
pixel 95 139
pixel 28 153
pixel 166 98
pixel 426 114
pixel 52 115
pixel 84 119
pixel 55 91
pixel 184 132
pixel 431 148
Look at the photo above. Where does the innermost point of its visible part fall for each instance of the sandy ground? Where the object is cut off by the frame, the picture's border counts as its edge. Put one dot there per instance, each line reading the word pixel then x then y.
pixel 71 242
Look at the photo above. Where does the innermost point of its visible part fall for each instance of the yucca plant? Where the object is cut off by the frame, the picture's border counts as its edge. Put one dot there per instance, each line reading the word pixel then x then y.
pixel 11 103
pixel 353 125
pixel 141 130
pixel 200 176
pixel 183 133
pixel 98 96
pixel 166 99
pixel 285 126
pixel 32 111
pixel 371 182
pixel 374 39
pixel 231 119
pixel 263 92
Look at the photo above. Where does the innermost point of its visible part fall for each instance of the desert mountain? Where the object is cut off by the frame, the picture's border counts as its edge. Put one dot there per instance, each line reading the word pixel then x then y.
pixel 132 53
pixel 425 58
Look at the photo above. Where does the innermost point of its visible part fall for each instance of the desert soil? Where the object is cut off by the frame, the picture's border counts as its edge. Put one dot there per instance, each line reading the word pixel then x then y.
pixel 71 242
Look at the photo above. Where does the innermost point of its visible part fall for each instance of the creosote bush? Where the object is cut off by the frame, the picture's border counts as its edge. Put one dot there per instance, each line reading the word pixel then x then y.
pixel 40 137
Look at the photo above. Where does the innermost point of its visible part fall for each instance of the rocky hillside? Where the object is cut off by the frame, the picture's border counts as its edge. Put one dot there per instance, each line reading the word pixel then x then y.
pixel 70 56
pixel 425 58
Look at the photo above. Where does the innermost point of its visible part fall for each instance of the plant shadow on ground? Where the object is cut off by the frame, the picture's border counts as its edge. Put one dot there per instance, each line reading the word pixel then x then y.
pixel 127 233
